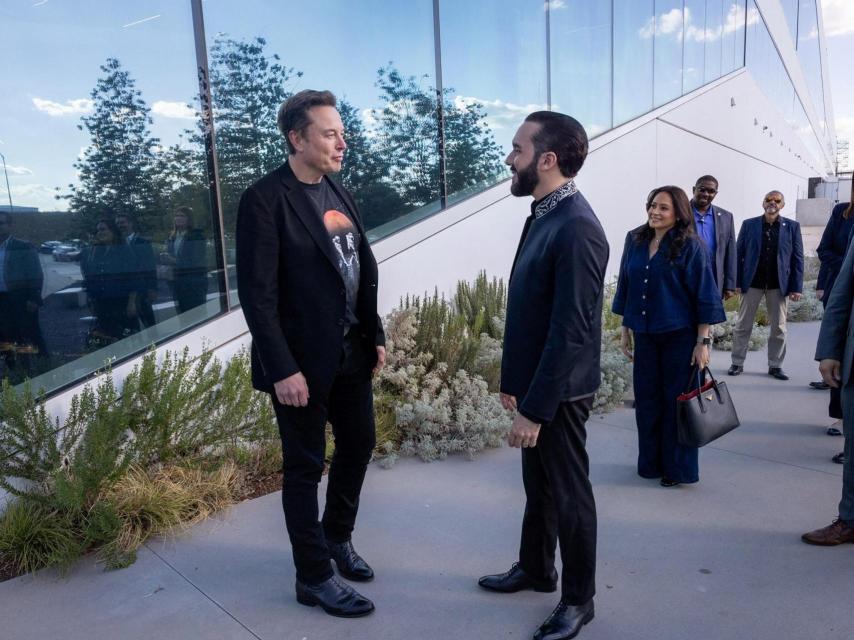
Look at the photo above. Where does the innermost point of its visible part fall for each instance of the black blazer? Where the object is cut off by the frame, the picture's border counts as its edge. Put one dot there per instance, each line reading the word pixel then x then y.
pixel 552 339
pixel 291 291
pixel 726 256
pixel 22 271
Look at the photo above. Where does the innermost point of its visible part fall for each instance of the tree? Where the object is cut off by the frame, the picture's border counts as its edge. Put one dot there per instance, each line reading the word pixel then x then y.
pixel 408 134
pixel 363 172
pixel 247 86
pixel 117 169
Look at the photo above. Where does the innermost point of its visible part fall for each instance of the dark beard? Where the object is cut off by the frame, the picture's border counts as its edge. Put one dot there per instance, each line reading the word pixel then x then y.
pixel 526 180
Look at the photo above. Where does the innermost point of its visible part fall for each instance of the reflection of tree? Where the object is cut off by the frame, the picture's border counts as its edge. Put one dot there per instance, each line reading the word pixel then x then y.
pixel 408 139
pixel 390 169
pixel 117 169
pixel 363 172
pixel 248 85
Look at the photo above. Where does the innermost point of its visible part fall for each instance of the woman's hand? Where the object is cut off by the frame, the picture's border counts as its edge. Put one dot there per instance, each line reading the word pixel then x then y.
pixel 702 356
pixel 626 345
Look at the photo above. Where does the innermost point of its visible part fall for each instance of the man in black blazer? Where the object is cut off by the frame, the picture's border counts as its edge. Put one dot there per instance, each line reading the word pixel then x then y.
pixel 716 228
pixel 21 280
pixel 308 287
pixel 550 368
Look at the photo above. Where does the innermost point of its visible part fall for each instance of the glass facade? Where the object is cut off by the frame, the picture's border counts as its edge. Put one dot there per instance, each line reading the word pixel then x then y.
pixel 763 59
pixel 158 118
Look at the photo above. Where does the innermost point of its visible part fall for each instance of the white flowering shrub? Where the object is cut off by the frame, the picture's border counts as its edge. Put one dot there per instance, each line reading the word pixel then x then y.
pixel 808 308
pixel 435 412
pixel 722 334
pixel 616 374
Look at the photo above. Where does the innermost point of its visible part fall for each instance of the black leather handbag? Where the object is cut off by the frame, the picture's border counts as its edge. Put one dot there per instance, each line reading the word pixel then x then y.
pixel 705 413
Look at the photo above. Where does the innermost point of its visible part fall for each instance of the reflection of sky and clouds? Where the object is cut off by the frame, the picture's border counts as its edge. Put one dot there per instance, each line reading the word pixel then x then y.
pixel 493 53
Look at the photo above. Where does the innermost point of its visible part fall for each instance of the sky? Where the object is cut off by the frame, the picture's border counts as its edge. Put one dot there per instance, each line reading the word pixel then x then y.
pixel 839 32
pixel 52 49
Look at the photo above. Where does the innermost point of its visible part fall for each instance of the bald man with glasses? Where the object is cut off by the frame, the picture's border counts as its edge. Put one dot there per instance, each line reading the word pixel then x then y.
pixel 770 266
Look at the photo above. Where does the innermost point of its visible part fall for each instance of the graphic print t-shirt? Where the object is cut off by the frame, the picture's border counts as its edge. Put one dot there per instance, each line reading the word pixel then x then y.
pixel 345 239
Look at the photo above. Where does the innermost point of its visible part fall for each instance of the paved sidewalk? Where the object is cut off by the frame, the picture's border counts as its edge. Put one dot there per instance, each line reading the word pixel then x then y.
pixel 718 560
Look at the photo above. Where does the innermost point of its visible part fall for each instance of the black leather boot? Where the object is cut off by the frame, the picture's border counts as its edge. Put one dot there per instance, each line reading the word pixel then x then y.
pixel 334 598
pixel 350 564
pixel 565 622
pixel 516 580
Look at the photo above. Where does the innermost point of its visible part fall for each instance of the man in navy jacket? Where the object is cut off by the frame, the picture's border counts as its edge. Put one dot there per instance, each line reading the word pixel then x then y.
pixel 770 265
pixel 550 367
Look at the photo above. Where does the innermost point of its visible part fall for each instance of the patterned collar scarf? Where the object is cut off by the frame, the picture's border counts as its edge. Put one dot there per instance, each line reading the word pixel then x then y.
pixel 552 200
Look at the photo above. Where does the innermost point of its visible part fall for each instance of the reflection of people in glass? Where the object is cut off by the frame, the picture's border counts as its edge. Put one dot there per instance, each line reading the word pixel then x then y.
pixel 186 254
pixel 109 276
pixel 21 280
pixel 146 274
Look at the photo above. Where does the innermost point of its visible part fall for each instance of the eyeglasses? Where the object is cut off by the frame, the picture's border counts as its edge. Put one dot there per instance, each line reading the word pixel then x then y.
pixel 774 200
pixel 707 190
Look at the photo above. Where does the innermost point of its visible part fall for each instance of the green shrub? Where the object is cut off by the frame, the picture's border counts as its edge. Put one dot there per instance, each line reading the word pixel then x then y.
pixel 33 536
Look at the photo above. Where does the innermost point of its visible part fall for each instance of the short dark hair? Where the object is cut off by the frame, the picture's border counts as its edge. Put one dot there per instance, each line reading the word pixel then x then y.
pixel 707 178
pixel 293 114
pixel 127 216
pixel 564 136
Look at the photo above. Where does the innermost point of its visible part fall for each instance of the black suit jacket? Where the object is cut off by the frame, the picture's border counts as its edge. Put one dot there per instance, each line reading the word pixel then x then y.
pixel 22 271
pixel 726 256
pixel 552 339
pixel 291 291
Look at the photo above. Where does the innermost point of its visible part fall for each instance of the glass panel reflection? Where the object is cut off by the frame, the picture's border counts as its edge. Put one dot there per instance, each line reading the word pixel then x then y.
pixel 714 35
pixel 669 23
pixel 581 62
pixel 487 96
pixel 382 71
pixel 634 30
pixel 101 146
pixel 695 48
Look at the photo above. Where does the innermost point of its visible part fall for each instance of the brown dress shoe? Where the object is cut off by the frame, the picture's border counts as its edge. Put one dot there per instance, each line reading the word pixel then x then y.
pixel 837 533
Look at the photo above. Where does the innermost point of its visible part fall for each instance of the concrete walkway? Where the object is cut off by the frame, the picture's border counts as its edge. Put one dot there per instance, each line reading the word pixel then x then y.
pixel 721 559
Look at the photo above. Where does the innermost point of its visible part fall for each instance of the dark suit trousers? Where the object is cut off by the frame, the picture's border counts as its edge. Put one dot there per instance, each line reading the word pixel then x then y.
pixel 662 366
pixel 834 410
pixel 350 410
pixel 560 504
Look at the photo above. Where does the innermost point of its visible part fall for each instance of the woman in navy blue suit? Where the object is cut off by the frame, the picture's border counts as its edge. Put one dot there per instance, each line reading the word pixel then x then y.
pixel 667 296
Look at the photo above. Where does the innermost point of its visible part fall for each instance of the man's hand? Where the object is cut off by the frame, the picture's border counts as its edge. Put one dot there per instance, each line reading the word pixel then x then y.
pixel 819 293
pixel 738 291
pixel 292 391
pixel 729 293
pixel 794 297
pixel 380 359
pixel 523 433
pixel 626 343
pixel 152 295
pixel 830 372
pixel 507 401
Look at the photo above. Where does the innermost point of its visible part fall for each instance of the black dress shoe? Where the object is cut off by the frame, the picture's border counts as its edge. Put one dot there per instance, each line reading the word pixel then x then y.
pixel 516 580
pixel 669 482
pixel 350 564
pixel 734 370
pixel 821 385
pixel 839 458
pixel 777 372
pixel 565 621
pixel 334 598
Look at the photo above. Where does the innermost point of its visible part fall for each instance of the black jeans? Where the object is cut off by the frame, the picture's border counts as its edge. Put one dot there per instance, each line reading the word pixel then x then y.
pixel 560 504
pixel 350 410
